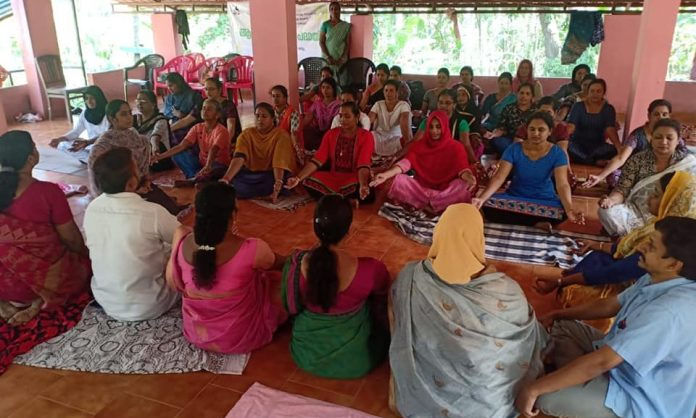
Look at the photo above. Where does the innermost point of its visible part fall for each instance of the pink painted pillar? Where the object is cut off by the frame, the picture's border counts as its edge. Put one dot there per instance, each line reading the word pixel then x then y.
pixel 37 38
pixel 361 36
pixel 3 120
pixel 274 42
pixel 167 41
pixel 616 57
pixel 657 23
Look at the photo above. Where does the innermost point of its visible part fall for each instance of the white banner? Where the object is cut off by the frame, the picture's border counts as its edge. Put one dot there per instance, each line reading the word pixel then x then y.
pixel 309 18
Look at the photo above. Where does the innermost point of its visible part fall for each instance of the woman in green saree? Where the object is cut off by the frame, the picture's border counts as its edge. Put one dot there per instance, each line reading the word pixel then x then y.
pixel 334 38
pixel 338 300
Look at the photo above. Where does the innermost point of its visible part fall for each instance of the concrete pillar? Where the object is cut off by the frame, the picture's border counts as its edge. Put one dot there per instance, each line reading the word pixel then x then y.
pixel 167 41
pixel 37 37
pixel 657 23
pixel 616 56
pixel 3 120
pixel 274 42
pixel 361 36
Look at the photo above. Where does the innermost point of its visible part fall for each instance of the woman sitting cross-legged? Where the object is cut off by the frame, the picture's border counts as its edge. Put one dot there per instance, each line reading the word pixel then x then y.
pixel 530 199
pixel 213 142
pixel 182 107
pixel 430 97
pixel 375 91
pixel 637 141
pixel 442 176
pixel 607 272
pixel 459 127
pixel 318 119
pixel 262 159
pixel 153 124
pixel 525 75
pixel 229 116
pixel 342 163
pixel 93 120
pixel 626 208
pixel 338 300
pixel 122 134
pixel 467 110
pixel 391 119
pixel 513 116
pixel 43 259
pixel 464 337
pixel 287 118
pixel 229 302
pixel 494 104
pixel 591 122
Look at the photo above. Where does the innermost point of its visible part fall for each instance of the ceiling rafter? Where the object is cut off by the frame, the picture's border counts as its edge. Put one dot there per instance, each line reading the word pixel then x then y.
pixel 417 6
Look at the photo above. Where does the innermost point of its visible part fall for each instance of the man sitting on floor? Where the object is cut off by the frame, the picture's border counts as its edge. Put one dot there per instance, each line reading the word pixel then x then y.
pixel 213 142
pixel 644 366
pixel 129 243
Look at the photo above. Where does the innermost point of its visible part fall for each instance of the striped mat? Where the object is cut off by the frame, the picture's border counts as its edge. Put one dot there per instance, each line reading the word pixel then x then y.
pixel 520 244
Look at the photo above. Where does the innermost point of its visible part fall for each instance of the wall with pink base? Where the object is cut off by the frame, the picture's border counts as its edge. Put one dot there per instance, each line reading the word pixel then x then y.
pixel 111 83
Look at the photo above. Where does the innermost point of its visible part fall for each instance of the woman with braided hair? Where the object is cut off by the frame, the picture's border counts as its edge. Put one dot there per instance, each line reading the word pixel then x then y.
pixel 338 300
pixel 227 298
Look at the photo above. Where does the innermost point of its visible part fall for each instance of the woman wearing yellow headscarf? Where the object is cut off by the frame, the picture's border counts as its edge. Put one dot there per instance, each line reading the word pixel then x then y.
pixel 608 274
pixel 463 335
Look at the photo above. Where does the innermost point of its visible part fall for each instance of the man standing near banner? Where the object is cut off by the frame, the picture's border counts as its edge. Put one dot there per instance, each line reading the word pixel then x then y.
pixel 334 38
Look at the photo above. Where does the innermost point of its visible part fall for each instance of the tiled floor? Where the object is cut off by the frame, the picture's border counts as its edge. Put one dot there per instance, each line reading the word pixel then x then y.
pixel 33 392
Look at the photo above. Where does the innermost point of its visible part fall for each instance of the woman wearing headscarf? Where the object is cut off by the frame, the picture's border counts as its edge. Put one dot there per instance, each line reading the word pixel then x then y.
pixel 441 170
pixel 93 120
pixel 464 337
pixel 182 107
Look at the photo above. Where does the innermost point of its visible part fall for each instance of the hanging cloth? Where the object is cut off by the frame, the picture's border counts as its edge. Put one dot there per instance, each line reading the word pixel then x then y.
pixel 585 28
pixel 182 23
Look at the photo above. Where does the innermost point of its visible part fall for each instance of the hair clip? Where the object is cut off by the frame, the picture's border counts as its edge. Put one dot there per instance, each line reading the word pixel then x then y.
pixel 206 248
pixel 6 169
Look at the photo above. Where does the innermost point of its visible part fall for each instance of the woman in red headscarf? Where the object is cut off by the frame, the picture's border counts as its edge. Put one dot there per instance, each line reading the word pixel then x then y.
pixel 441 174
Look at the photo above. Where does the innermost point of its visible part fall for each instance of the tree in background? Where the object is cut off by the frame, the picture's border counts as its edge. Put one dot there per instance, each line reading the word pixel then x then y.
pixel 493 43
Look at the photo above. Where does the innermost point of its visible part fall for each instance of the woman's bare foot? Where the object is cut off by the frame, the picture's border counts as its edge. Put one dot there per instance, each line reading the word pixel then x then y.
pixel 546 226
pixel 27 314
pixel 7 311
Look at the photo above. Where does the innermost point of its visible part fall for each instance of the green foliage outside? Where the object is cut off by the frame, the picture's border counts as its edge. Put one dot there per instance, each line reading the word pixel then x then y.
pixel 210 34
pixel 493 43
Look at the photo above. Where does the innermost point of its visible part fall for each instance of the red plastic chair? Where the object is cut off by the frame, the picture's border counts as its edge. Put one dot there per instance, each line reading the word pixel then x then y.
pixel 211 67
pixel 181 65
pixel 198 65
pixel 243 69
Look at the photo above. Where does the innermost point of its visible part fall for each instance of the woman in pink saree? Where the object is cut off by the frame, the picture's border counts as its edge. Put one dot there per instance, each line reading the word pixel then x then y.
pixel 44 264
pixel 228 303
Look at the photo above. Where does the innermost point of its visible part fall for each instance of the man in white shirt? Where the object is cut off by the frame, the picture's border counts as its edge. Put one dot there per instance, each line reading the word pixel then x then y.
pixel 348 95
pixel 129 243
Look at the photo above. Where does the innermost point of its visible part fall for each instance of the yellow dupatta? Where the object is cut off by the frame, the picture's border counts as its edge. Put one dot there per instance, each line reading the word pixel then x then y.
pixel 265 152
pixel 458 249
pixel 679 199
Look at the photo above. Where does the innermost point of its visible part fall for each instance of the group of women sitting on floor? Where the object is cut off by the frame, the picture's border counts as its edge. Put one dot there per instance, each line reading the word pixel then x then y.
pixel 460 336
pixel 230 302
